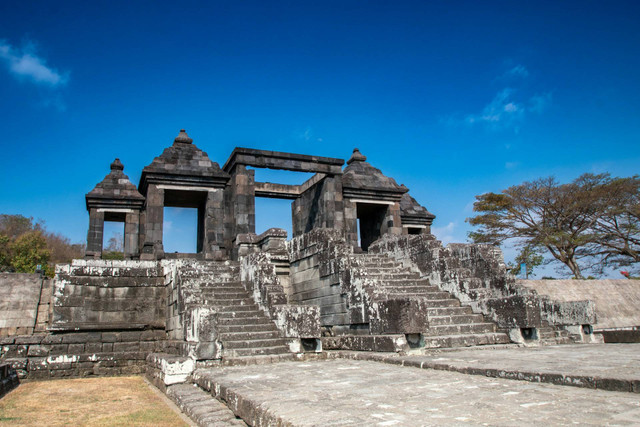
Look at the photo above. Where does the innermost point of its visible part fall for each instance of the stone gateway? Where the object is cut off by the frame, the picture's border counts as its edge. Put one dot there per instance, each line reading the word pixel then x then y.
pixel 362 271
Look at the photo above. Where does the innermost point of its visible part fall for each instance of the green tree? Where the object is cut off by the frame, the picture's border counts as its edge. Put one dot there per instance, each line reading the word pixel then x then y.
pixel 545 214
pixel 618 227
pixel 531 256
pixel 28 251
pixel 22 248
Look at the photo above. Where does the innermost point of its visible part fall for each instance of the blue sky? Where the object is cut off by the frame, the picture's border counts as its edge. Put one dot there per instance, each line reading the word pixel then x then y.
pixel 453 99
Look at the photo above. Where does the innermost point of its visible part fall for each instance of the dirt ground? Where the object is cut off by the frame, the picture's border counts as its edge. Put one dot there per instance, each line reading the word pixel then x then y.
pixel 114 401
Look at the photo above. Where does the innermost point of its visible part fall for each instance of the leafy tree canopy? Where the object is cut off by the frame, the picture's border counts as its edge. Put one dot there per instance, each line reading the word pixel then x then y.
pixel 25 244
pixel 592 221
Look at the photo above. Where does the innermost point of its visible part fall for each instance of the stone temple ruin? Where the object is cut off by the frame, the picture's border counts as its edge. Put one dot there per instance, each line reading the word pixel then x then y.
pixel 362 271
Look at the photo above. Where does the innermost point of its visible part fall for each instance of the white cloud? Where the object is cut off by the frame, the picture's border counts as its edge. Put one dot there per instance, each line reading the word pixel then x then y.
pixel 518 71
pixel 24 63
pixel 509 107
pixel 445 234
pixel 502 111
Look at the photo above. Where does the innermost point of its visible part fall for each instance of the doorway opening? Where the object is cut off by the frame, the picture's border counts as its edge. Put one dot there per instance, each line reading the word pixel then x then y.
pixel 273 213
pixel 370 219
pixel 113 236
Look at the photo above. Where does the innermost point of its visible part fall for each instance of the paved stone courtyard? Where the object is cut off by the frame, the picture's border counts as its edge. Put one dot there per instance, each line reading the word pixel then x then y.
pixel 360 392
pixel 613 367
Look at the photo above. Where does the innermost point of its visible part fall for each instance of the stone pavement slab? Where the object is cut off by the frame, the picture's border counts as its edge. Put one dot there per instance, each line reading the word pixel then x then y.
pixel 343 392
pixel 614 367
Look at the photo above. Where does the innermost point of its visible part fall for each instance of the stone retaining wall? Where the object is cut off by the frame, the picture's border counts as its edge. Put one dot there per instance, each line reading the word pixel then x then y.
pixel 81 354
pixel 20 308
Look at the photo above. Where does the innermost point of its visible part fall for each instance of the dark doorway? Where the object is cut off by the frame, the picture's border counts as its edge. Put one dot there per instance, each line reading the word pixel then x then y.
pixel 370 219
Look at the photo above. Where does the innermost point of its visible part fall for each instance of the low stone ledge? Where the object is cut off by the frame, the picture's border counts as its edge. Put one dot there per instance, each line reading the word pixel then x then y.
pixel 584 381
pixel 201 406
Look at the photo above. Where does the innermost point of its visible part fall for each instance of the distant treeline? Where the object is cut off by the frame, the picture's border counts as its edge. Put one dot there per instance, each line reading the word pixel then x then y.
pixel 25 244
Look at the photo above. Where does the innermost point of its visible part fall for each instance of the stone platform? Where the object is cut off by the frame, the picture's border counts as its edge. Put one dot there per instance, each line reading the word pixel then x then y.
pixel 361 392
pixel 613 367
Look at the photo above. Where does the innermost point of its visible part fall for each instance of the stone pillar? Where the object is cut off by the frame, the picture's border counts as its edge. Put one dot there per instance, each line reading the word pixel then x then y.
pixel 154 217
pixel 131 234
pixel 95 234
pixel 214 246
pixel 351 222
pixel 332 209
pixel 392 223
pixel 240 204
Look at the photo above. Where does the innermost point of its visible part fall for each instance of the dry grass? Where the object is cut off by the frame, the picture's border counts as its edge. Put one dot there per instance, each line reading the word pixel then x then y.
pixel 113 401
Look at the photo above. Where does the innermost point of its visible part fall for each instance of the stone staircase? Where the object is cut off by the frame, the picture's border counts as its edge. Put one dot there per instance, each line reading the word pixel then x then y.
pixel 243 328
pixel 450 324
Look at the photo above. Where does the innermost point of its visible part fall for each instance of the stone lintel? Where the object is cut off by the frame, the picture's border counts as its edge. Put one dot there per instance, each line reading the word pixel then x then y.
pixel 113 204
pixel 284 161
pixel 277 191
pixel 182 182
pixel 372 201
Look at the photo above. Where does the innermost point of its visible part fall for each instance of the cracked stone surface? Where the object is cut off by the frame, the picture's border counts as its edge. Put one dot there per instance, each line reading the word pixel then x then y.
pixel 347 392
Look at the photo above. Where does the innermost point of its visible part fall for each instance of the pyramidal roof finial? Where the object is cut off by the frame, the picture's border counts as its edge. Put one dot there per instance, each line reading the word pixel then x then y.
pixel 117 165
pixel 183 138
pixel 357 157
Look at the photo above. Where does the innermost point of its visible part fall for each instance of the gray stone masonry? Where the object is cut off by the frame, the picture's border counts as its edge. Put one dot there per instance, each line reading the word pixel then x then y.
pixel 363 393
pixel 115 198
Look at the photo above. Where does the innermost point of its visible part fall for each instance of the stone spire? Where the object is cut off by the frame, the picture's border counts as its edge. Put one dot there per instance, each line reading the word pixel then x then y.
pixel 117 165
pixel 357 157
pixel 183 138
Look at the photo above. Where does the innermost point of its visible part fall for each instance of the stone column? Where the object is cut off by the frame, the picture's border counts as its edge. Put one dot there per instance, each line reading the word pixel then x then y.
pixel 214 247
pixel 154 217
pixel 131 232
pixel 351 222
pixel 95 234
pixel 392 223
pixel 240 205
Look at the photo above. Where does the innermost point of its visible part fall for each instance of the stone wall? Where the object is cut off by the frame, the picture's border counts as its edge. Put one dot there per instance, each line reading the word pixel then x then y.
pixel 616 303
pixel 104 295
pixel 259 276
pixel 21 304
pixel 81 354
pixel 315 274
pixel 319 206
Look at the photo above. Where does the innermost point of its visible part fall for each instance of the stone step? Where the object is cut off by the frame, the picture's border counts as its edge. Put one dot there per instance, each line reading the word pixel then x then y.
pixel 242 352
pixel 454 319
pixel 375 269
pixel 414 293
pixel 243 328
pixel 460 329
pixel 239 314
pixel 438 303
pixel 258 319
pixel 390 275
pixel 448 341
pixel 401 282
pixel 257 343
pixel 221 285
pixel 212 300
pixel 226 337
pixel 448 311
pixel 201 406
pixel 235 308
pixel 225 295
